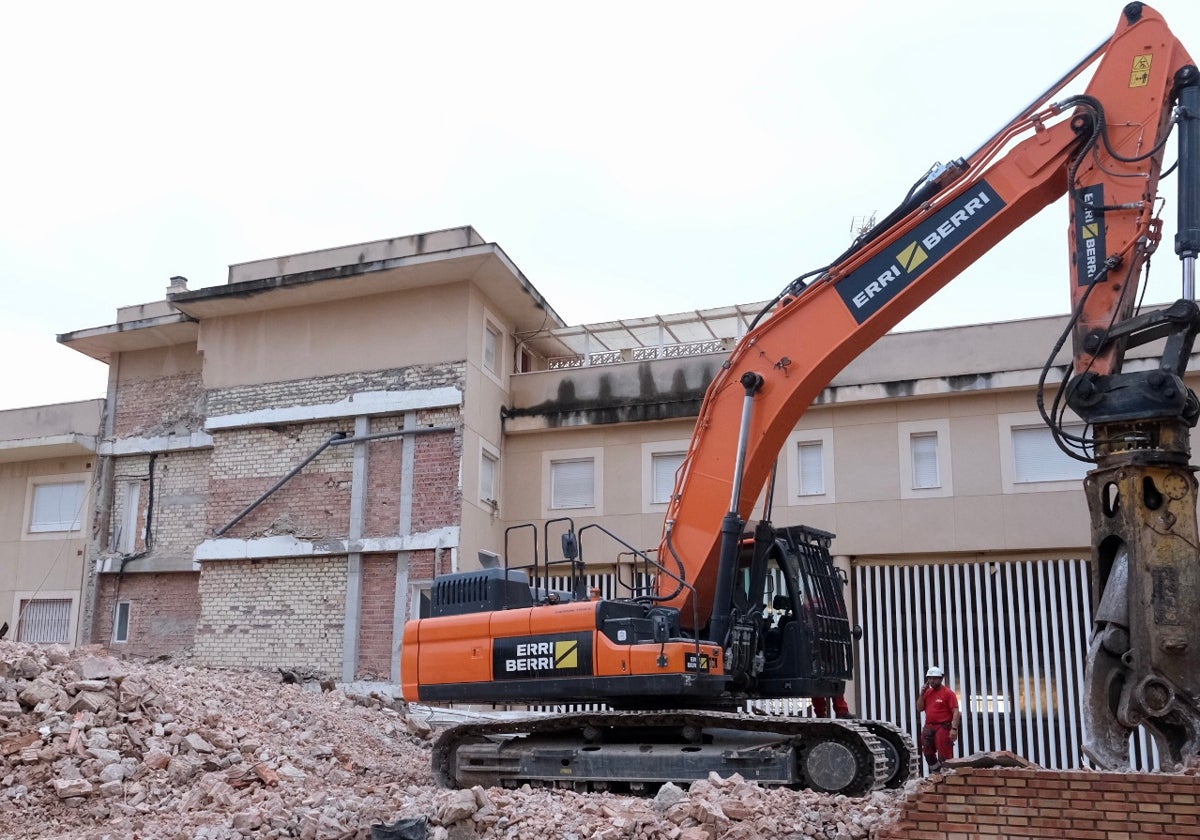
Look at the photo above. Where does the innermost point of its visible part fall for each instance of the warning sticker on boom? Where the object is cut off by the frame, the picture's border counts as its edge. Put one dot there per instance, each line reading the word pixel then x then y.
pixel 1139 76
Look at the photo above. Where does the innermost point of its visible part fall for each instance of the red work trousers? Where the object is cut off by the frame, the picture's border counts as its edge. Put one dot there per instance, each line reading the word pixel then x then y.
pixel 935 742
pixel 821 706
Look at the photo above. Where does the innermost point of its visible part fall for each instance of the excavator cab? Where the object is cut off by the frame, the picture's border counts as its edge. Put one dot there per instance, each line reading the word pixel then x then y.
pixel 790 608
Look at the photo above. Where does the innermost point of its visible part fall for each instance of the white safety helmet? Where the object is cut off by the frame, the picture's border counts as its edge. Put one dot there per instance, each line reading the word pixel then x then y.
pixel 935 671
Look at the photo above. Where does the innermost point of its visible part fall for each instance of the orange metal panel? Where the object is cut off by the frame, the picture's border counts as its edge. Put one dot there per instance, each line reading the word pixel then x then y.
pixel 509 623
pixel 563 618
pixel 409 651
pixel 455 649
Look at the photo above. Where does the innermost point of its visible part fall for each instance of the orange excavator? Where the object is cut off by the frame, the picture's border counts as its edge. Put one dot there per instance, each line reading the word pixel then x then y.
pixel 728 611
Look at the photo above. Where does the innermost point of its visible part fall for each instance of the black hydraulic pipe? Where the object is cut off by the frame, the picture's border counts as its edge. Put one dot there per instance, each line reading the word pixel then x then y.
pixel 337 439
pixel 732 524
pixel 1187 239
pixel 334 438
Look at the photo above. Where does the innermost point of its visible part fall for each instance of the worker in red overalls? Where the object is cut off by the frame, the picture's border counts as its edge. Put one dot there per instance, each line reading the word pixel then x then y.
pixel 942 719
pixel 821 706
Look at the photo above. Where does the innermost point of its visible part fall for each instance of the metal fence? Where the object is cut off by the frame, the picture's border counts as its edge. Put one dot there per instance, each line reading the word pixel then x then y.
pixel 45 620
pixel 1012 637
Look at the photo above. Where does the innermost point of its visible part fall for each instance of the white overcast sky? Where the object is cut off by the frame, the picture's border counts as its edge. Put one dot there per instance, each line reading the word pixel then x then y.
pixel 631 158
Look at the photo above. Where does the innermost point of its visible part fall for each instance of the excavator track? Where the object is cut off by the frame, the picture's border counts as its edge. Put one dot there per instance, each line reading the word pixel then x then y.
pixel 639 751
pixel 903 761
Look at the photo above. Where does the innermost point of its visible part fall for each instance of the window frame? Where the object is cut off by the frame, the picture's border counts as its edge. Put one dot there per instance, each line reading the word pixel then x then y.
pixel 116 628
pixel 549 458
pixel 131 518
pixel 489 454
pixel 47 595
pixel 908 430
pixel 650 451
pixel 791 456
pixel 492 331
pixel 1006 424
pixel 34 482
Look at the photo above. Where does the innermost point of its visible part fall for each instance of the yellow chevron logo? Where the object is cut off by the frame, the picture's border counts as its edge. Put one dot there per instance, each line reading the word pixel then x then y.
pixel 1091 231
pixel 912 257
pixel 566 654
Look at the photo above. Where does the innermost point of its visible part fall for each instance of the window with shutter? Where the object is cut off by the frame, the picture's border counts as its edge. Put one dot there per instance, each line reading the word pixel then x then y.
pixel 572 483
pixel 491 347
pixel 488 471
pixel 810 463
pixel 45 620
pixel 664 466
pixel 925 472
pixel 57 506
pixel 1036 457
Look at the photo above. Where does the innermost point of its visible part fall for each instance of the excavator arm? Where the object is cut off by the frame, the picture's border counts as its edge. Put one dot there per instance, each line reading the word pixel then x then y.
pixel 1104 149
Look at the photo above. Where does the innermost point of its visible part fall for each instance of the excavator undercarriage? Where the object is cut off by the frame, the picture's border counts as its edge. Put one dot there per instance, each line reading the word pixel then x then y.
pixel 639 751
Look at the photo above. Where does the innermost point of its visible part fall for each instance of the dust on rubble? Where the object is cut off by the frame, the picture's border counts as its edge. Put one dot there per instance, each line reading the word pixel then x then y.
pixel 96 748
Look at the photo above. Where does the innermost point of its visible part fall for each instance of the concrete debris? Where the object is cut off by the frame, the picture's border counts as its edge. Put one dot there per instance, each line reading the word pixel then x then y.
pixel 999 758
pixel 165 751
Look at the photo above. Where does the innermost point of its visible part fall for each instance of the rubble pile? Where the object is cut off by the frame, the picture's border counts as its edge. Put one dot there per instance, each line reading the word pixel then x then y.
pixel 98 748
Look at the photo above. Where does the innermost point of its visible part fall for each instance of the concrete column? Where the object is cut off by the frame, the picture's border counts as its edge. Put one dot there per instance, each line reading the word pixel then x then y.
pixel 402 610
pixel 358 507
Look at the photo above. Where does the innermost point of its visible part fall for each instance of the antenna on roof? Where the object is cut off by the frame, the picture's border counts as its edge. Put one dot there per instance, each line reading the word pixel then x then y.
pixel 860 225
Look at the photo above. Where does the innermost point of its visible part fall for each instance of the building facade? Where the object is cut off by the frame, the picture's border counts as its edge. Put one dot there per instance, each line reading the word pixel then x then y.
pixel 289 458
pixel 47 463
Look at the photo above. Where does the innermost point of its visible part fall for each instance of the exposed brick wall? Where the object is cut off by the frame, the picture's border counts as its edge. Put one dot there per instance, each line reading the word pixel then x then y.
pixel 248 462
pixel 273 613
pixel 385 459
pixel 177 523
pixel 1040 804
pixel 328 389
pixel 291 612
pixel 150 407
pixel 422 565
pixel 437 492
pixel 377 617
pixel 163 611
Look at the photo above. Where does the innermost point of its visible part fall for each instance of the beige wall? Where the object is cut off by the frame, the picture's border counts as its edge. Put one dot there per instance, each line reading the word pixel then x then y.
pixel 420 326
pixel 871 515
pixel 44 444
pixel 169 360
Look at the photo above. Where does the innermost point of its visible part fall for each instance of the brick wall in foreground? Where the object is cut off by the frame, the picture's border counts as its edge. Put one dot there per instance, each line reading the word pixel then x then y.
pixel 1078 805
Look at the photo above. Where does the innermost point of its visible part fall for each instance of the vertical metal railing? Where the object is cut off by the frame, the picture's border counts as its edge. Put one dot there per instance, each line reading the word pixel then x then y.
pixel 1012 637
pixel 44 620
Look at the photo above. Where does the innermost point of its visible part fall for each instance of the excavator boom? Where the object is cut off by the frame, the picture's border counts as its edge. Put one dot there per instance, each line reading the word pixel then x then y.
pixel 1104 148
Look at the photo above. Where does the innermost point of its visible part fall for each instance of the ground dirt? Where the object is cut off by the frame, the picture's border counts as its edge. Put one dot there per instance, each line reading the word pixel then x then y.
pixel 95 747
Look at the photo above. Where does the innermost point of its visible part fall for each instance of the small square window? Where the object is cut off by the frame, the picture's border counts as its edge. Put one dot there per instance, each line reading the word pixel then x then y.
pixel 572 483
pixel 1036 457
pixel 664 466
pixel 57 506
